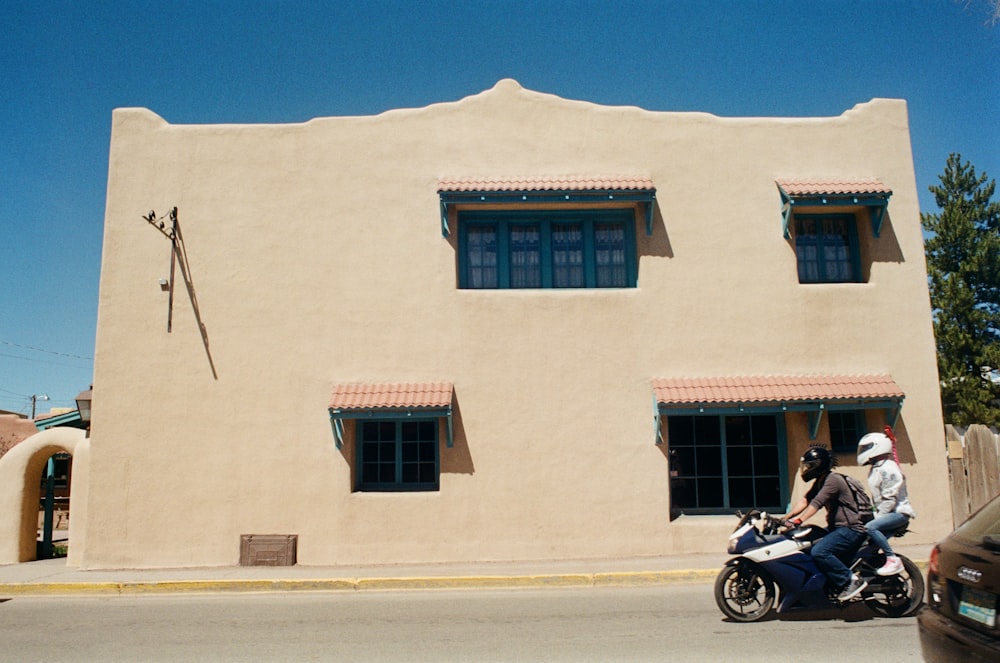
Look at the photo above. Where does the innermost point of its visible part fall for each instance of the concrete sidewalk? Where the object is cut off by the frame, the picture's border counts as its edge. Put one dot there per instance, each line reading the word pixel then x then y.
pixel 52 577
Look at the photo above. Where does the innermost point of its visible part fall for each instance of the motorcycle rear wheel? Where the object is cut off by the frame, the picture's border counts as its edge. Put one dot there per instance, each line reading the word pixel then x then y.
pixel 900 595
pixel 743 593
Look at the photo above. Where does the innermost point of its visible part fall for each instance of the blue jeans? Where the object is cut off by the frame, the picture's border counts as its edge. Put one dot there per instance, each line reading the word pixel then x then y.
pixel 839 544
pixel 885 523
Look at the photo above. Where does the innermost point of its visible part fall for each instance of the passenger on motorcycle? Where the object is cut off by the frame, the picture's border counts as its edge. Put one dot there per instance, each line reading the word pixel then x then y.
pixel 846 531
pixel 892 506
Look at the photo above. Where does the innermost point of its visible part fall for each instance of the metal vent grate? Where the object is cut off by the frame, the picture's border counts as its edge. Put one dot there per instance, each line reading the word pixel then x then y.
pixel 268 549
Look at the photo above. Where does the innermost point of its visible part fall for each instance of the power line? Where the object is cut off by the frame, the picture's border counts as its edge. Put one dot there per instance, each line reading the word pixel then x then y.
pixel 51 352
pixel 44 361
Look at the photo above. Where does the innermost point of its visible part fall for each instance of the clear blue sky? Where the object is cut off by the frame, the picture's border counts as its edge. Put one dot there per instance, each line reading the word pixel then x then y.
pixel 65 65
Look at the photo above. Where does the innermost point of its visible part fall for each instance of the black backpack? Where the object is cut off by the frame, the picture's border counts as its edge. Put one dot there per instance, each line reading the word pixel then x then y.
pixel 862 502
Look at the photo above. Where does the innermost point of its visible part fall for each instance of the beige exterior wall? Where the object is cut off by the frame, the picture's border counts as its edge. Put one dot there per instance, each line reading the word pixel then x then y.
pixel 316 258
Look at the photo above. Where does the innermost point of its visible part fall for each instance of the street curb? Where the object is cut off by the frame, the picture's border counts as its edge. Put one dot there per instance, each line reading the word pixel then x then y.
pixel 555 580
pixel 132 588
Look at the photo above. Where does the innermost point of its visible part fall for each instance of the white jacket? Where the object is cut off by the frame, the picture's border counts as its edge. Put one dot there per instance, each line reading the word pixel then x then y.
pixel 888 487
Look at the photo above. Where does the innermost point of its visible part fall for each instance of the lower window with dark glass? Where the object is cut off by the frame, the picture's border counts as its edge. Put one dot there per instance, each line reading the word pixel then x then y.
pixel 719 464
pixel 846 428
pixel 398 455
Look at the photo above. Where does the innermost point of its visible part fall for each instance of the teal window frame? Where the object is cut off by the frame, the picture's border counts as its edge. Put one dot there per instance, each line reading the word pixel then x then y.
pixel 388 465
pixel 715 486
pixel 829 268
pixel 475 225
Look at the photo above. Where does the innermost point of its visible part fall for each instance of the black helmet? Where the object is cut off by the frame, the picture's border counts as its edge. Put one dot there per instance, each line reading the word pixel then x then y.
pixel 815 462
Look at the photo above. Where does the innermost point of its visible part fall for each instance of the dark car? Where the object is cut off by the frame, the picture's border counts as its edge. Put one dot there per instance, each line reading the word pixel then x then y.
pixel 959 621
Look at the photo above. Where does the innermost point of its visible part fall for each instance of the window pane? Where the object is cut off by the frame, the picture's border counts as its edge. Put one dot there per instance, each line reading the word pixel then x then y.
pixel 836 251
pixel 807 250
pixel 680 430
pixel 737 430
pixel 682 494
pixel 683 458
pixel 706 431
pixel 710 493
pixel 767 492
pixel 567 256
pixel 764 430
pixel 739 460
pixel 481 254
pixel 428 431
pixel 525 257
pixel 741 494
pixel 609 245
pixel 765 460
pixel 708 461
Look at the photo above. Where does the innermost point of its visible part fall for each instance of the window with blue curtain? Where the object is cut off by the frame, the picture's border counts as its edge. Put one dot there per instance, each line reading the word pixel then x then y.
pixel 547 249
pixel 827 248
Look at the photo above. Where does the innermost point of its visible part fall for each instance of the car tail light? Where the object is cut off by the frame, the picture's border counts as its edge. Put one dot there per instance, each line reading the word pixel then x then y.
pixel 935 588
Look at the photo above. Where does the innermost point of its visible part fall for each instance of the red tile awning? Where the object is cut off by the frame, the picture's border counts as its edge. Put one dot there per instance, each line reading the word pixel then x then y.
pixel 833 187
pixel 834 192
pixel 390 399
pixel 775 389
pixel 391 396
pixel 812 394
pixel 630 190
pixel 546 184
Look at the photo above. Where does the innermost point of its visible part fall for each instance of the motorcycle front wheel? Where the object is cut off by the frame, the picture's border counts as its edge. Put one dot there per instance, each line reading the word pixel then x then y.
pixel 743 593
pixel 900 595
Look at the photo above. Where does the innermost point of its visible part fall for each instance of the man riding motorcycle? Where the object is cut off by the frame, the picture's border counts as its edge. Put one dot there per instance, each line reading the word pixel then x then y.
pixel 846 531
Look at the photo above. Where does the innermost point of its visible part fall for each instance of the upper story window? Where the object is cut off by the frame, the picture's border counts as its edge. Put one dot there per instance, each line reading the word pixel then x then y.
pixel 547 249
pixel 529 234
pixel 826 247
pixel 824 214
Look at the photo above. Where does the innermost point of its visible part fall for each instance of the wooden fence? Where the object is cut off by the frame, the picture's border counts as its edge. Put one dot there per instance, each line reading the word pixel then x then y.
pixel 973 469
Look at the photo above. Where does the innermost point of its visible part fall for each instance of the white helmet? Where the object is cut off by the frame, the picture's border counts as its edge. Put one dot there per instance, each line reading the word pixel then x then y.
pixel 872 446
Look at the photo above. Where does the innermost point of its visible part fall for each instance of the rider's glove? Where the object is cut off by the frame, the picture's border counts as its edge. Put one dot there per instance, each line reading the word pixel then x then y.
pixel 793 523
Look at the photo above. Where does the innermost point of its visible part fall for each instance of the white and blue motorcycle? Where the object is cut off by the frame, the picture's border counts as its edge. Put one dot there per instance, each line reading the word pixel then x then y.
pixel 771 566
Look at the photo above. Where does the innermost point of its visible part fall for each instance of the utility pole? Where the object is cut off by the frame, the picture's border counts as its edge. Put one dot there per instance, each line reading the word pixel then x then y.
pixel 34 398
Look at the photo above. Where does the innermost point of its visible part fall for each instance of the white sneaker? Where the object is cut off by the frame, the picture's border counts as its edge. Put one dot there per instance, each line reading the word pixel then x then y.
pixel 892 566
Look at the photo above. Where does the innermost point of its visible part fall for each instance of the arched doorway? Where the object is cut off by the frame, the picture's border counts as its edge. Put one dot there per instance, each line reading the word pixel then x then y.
pixel 21 490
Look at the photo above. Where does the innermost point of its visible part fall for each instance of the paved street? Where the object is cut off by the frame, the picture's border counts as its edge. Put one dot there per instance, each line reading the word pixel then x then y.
pixel 677 622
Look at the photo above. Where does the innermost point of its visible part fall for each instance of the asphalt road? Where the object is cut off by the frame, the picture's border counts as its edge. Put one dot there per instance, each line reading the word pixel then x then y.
pixel 674 622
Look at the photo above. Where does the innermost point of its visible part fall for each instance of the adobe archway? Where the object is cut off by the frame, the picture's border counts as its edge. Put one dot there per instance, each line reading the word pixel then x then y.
pixel 20 469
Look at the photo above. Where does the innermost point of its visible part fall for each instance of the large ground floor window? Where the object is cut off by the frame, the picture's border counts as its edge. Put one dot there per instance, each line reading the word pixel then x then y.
pixel 721 463
pixel 398 455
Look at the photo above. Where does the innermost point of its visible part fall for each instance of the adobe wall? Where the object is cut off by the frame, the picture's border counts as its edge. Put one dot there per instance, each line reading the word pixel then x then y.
pixel 316 258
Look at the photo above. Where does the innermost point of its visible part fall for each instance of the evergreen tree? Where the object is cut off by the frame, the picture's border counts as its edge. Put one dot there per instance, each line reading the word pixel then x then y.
pixel 963 266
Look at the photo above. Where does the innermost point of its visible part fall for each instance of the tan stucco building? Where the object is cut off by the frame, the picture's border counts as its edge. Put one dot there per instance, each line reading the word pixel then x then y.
pixel 509 327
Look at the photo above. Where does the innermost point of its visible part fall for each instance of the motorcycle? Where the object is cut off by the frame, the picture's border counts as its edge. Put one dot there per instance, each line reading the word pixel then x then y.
pixel 769 558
